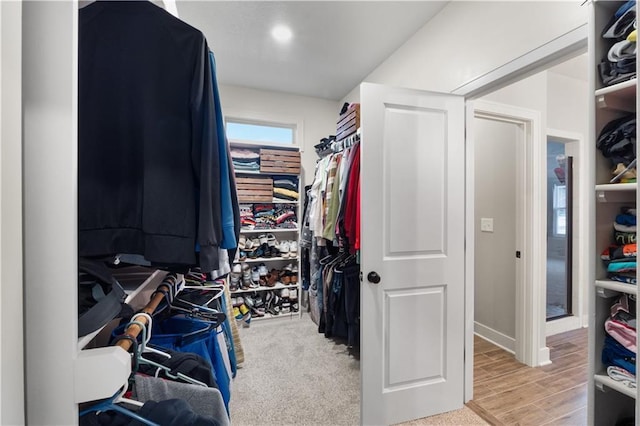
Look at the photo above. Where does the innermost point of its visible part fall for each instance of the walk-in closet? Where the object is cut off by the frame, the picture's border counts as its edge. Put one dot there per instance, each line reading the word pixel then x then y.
pixel 262 213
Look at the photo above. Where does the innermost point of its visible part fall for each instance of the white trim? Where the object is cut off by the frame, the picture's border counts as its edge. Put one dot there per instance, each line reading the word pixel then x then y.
pixel 554 52
pixel 530 295
pixel 562 325
pixel 544 355
pixel 469 244
pixel 493 336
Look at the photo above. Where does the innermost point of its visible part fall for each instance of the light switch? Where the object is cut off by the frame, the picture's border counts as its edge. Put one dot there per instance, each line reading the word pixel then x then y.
pixel 486 224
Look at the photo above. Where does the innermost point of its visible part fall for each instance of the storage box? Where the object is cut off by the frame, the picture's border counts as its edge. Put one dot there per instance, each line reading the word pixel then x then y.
pixel 279 161
pixel 349 122
pixel 254 189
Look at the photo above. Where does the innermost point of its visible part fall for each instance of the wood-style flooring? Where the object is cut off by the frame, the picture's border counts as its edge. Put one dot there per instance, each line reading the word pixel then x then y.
pixel 507 392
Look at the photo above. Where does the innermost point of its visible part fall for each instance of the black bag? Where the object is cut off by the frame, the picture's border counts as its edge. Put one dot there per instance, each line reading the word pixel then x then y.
pixel 100 296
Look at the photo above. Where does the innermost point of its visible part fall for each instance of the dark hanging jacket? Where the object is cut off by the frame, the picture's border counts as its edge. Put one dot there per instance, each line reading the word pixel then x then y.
pixel 148 171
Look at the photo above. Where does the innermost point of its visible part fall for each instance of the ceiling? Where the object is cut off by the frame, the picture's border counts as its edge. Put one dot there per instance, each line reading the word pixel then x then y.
pixel 335 44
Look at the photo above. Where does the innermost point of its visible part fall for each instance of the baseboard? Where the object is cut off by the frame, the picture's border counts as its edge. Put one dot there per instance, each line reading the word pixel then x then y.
pixel 562 325
pixel 544 357
pixel 499 339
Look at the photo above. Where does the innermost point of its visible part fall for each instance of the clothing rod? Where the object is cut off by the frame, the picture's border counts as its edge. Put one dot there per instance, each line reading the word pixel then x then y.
pixel 134 330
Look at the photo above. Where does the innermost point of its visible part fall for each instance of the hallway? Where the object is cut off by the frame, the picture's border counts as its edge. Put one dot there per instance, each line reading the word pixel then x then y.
pixel 507 392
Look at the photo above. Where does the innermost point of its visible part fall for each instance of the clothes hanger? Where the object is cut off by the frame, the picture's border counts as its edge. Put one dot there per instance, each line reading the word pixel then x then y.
pixel 111 404
pixel 146 348
pixel 164 368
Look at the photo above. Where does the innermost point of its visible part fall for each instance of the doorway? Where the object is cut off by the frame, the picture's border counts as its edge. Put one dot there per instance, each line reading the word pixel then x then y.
pixel 547 92
pixel 559 230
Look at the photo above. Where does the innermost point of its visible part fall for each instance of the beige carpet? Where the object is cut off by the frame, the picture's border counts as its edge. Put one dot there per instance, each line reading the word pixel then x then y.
pixel 294 376
pixel 460 417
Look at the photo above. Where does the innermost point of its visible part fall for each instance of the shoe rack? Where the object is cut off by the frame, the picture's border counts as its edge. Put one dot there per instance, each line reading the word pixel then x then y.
pixel 260 247
pixel 609 401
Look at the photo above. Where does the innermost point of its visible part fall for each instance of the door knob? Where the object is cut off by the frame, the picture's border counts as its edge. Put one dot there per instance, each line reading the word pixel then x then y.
pixel 373 277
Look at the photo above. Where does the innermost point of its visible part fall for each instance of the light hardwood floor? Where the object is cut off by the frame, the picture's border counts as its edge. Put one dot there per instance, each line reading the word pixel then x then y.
pixel 507 392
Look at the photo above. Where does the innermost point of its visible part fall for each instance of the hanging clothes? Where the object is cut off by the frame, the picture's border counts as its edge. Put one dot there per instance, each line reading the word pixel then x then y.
pixel 150 154
pixel 329 242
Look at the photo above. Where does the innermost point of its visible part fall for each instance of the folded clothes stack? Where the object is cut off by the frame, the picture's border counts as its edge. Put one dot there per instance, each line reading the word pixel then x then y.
pixel 265 216
pixel 286 216
pixel 247 220
pixel 621 35
pixel 285 188
pixel 621 257
pixel 245 160
pixel 620 349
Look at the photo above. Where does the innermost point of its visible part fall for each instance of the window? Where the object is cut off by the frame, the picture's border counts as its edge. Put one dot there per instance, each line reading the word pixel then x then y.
pixel 260 132
pixel 559 210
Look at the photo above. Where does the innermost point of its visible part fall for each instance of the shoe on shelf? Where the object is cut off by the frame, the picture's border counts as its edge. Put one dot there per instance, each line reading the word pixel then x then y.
pixel 242 255
pixel 246 277
pixel 293 248
pixel 234 281
pixel 262 270
pixel 294 275
pixel 241 242
pixel 284 248
pixel 271 240
pixel 255 277
pixel 262 238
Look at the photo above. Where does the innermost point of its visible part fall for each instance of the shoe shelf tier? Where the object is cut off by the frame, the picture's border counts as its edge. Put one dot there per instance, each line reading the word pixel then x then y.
pixel 266 288
pixel 269 231
pixel 271 316
pixel 267 259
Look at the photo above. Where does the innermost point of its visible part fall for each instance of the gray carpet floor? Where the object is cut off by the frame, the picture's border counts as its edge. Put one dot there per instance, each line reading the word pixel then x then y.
pixel 292 375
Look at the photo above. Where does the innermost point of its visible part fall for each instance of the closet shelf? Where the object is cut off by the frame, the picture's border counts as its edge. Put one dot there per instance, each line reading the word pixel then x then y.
pixel 625 88
pixel 269 316
pixel 265 288
pixel 614 286
pixel 132 290
pixel 617 187
pixel 269 231
pixel 236 143
pixel 249 172
pixel 619 97
pixel 602 380
pixel 268 259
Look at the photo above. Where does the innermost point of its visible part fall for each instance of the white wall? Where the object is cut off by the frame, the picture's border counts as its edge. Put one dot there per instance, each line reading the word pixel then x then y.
pixel 318 116
pixel 467 39
pixel 11 323
pixel 495 197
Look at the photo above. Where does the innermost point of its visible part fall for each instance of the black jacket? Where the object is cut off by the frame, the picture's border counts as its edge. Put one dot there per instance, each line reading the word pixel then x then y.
pixel 148 151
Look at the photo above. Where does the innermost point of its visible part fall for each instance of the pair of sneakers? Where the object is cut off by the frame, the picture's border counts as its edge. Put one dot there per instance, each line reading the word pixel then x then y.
pixel 288 248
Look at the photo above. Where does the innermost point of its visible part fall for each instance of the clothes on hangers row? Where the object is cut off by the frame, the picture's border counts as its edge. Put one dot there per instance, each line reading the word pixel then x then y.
pixel 155 176
pixel 183 362
pixel 330 240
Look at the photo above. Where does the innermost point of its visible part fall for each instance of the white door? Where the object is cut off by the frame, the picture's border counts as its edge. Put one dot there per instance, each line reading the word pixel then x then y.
pixel 412 213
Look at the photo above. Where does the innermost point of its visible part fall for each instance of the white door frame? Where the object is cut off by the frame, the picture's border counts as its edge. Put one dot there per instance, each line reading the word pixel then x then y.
pixel 530 297
pixel 560 49
pixel 579 317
